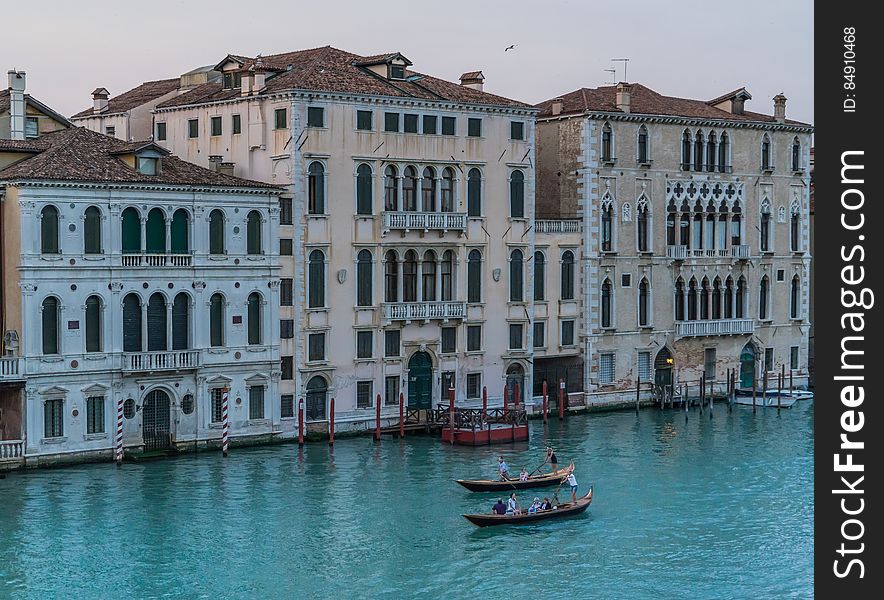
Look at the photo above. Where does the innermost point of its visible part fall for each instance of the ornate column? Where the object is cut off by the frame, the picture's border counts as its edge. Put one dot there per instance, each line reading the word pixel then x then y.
pixel 144 345
pixel 143 221
pixel 168 236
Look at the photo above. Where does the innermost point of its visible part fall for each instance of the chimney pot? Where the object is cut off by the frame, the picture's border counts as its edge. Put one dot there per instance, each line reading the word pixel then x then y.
pixel 556 107
pixel 17 81
pixel 100 100
pixel 779 103
pixel 624 96
pixel 473 79
pixel 225 168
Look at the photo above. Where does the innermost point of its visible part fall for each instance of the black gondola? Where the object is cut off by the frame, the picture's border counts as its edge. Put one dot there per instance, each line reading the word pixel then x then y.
pixel 562 510
pixel 495 485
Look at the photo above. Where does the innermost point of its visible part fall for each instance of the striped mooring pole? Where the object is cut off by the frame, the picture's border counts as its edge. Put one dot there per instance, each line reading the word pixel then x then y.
pixel 225 420
pixel 118 445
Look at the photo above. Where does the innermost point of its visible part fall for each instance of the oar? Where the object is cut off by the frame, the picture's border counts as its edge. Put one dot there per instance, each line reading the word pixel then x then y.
pixel 538 468
pixel 564 479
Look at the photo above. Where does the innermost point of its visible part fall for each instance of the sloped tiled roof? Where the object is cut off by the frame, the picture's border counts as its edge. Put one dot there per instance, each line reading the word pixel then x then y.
pixel 645 101
pixel 78 154
pixel 328 69
pixel 144 93
pixel 4 106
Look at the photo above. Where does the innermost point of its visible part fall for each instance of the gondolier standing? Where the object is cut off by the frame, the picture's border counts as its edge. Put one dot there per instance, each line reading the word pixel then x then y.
pixel 572 481
pixel 553 461
pixel 502 469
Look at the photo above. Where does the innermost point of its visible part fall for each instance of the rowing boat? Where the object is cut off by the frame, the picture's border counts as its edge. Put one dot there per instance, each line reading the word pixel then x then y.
pixel 495 485
pixel 562 510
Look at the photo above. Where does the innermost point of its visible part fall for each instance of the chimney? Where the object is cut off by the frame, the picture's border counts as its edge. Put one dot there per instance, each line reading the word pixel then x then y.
pixel 473 79
pixel 225 168
pixel 246 83
pixel 16 105
pixel 260 75
pixel 737 103
pixel 99 100
pixel 215 161
pixel 624 96
pixel 779 108
pixel 556 107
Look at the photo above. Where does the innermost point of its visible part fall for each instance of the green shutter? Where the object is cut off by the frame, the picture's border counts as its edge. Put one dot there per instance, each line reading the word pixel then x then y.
pixel 131 324
pixel 49 230
pixel 180 233
pixel 131 230
pixel 93 324
pixel 253 233
pixel 156 232
pixel 180 325
pixel 92 231
pixel 254 318
pixel 156 323
pixel 50 326
pixel 216 315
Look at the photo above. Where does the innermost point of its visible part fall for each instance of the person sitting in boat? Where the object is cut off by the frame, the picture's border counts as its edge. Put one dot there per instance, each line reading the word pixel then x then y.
pixel 512 505
pixel 499 508
pixel 503 469
pixel 572 481
pixel 535 506
pixel 545 505
pixel 553 461
pixel 523 474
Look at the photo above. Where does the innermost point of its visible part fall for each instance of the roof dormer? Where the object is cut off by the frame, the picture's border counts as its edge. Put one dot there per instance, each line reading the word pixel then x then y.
pixel 732 102
pixel 144 157
pixel 389 66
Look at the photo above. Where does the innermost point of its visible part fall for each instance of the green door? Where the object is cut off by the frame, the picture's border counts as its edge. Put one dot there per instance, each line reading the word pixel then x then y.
pixel 747 366
pixel 420 381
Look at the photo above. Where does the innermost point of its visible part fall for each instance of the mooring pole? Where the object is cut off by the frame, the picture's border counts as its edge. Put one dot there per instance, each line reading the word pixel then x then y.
pixel 544 403
pixel 331 422
pixel 377 419
pixel 753 393
pixel 484 403
pixel 561 399
pixel 225 421
pixel 516 397
pixel 451 410
pixel 711 398
pixel 506 399
pixel 764 389
pixel 401 417
pixel 300 422
pixel 638 387
pixel 780 386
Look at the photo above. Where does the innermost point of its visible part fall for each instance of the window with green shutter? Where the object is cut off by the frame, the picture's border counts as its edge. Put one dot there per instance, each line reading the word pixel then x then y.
pixel 364 120
pixel 131 323
pixel 364 342
pixel 474 127
pixel 216 320
pixel 449 125
pixel 391 122
pixel 315 117
pixel 156 323
pixel 253 233
pixel 281 122
pixel 49 230
pixel 93 324
pixel 95 414
pixel 235 124
pixel 363 394
pixel 364 200
pixel 53 418
pixel 92 231
pixel 155 232
pixel 193 128
pixel 254 317
pixel 50 325
pixel 517 130
pixel 180 232
pixel 180 322
pixel 215 125
pixel 216 232
pixel 410 123
pixel 431 125
pixel 256 402
pixel 131 231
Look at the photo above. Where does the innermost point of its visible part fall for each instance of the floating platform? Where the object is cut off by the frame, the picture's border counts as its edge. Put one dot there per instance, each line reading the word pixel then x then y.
pixel 482 427
pixel 497 434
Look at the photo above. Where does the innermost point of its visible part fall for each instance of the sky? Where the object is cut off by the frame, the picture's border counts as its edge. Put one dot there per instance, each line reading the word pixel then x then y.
pixel 686 48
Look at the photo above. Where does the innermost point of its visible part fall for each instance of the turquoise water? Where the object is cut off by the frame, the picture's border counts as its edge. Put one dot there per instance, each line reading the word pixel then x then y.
pixel 711 508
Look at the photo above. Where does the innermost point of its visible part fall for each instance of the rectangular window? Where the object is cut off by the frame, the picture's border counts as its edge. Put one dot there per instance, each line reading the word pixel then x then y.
pixel 285 292
pixel 364 120
pixel 53 418
pixel 626 280
pixel 215 124
pixel 606 368
pixel 410 123
pixel 567 333
pixel 517 130
pixel 316 347
pixel 95 414
pixel 709 364
pixel 315 116
pixel 281 122
pixel 391 342
pixel 768 359
pixel 217 400
pixel 287 406
pixel 364 343
pixel 285 247
pixel 391 390
pixel 474 338
pixel 781 275
pixel 793 358
pixel 231 81
pixel 285 211
pixel 448 125
pixel 644 366
pixel 193 128
pixel 161 131
pixel 515 336
pixel 256 402
pixel 474 127
pixel 449 340
pixel 539 334
pixel 431 125
pixel 32 127
pixel 287 366
pixel 391 122
pixel 447 380
pixel 474 385
pixel 235 125
pixel 110 131
pixel 286 329
pixel 397 72
pixel 363 394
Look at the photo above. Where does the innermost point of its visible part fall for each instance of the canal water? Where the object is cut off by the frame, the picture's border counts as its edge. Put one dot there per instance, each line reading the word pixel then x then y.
pixel 708 508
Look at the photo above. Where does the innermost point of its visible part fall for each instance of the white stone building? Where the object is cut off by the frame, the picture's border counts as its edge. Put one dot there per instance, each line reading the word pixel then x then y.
pixel 133 277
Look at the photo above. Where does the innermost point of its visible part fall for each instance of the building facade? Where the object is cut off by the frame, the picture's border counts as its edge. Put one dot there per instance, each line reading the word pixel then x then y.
pixel 695 234
pixel 132 281
pixel 23 117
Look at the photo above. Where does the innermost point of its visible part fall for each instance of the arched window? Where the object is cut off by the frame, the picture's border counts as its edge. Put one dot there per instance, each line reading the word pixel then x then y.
pixel 641 225
pixel 710 226
pixel 49 231
pixel 736 226
pixel 132 341
pixel 447 190
pixel 316 189
pixel 180 232
pixel 216 320
pixel 216 232
pixel 568 275
pixel 710 152
pixel 428 274
pixel 795 228
pixel 181 322
pixel 92 231
pixel 517 195
pixel 606 303
pixel 363 278
pixel 722 226
pixel 409 189
pixel 723 153
pixel 93 324
pixel 795 298
pixel 391 188
pixel 766 163
pixel 409 277
pixel 474 193
pixel 729 298
pixel 156 323
pixel 155 232
pixel 796 154
pixel 692 300
pixel 253 233
pixel 698 226
pixel 316 280
pixel 607 143
pixel 679 299
pixel 740 301
pixel 316 399
pixel 716 298
pixel 644 298
pixel 447 276
pixel 765 225
pixel 474 276
pixel 684 226
pixel 51 316
pixel 364 200
pixel 763 298
pixel 607 225
pixel 686 151
pixel 131 231
pixel 517 293
pixel 254 317
pixel 428 190
pixel 698 151
pixel 539 275
pixel 391 277
pixel 643 153
pixel 704 299
pixel 670 223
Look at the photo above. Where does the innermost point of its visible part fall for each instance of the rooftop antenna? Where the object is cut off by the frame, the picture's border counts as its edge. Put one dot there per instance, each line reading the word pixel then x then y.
pixel 624 61
pixel 613 73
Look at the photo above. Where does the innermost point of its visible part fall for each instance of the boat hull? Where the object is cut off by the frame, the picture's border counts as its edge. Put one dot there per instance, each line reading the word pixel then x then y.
pixel 490 485
pixel 564 510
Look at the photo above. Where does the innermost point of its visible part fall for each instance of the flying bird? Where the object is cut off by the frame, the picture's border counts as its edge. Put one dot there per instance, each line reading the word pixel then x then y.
pixel 510 47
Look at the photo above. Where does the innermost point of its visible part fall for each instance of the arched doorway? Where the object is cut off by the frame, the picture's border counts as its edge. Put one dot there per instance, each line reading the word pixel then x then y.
pixel 747 366
pixel 515 375
pixel 155 421
pixel 663 364
pixel 317 392
pixel 420 381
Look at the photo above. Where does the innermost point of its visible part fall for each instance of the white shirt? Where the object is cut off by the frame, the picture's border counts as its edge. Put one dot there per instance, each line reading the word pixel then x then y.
pixel 572 480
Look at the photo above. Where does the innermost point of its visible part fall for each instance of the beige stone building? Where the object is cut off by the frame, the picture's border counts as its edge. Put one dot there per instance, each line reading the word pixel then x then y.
pixel 23 117
pixel 694 219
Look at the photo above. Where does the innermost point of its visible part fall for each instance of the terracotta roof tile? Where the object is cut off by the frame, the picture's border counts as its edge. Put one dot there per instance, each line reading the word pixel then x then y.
pixel 144 93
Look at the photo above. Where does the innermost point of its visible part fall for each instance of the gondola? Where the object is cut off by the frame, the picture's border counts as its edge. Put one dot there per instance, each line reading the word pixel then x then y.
pixel 563 510
pixel 494 485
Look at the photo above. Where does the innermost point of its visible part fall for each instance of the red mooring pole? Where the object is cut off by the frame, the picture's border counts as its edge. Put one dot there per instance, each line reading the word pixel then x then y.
pixel 377 419
pixel 516 397
pixel 561 400
pixel 506 399
pixel 544 402
pixel 451 411
pixel 401 416
pixel 331 423
pixel 300 421
pixel 484 403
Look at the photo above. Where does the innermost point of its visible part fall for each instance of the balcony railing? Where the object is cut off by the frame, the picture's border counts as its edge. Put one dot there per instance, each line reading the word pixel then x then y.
pixel 683 252
pixel 714 327
pixel 157 260
pixel 741 251
pixel 414 311
pixel 173 360
pixel 677 252
pixel 11 449
pixel 557 226
pixel 9 368
pixel 444 221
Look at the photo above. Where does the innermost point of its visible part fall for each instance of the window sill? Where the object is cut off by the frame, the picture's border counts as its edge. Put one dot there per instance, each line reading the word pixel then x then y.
pixel 256 257
pixel 518 219
pixel 54 440
pixel 217 350
pixel 796 319
pixel 608 162
pixel 216 425
pixel 95 436
pixel 218 257
pixel 317 216
pixel 766 252
pixel 448 354
pixel 258 422
pixel 608 329
pixel 316 363
pixel 645 164
pixel 93 257
pixel 366 361
pixel 765 321
pixel 540 348
pixel 474 353
pixel 767 170
pixel 646 327
pixel 568 347
pixel 606 252
pixel 521 303
pixel 317 309
pixel 95 356
pixel 798 172
pixel 257 348
pixel 51 257
pixel 51 359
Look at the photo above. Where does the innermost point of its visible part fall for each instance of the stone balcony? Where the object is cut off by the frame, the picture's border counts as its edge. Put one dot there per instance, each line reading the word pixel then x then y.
pixel 172 360
pixel 714 327
pixel 683 252
pixel 424 221
pixel 157 260
pixel 12 450
pixel 557 226
pixel 10 369
pixel 424 311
